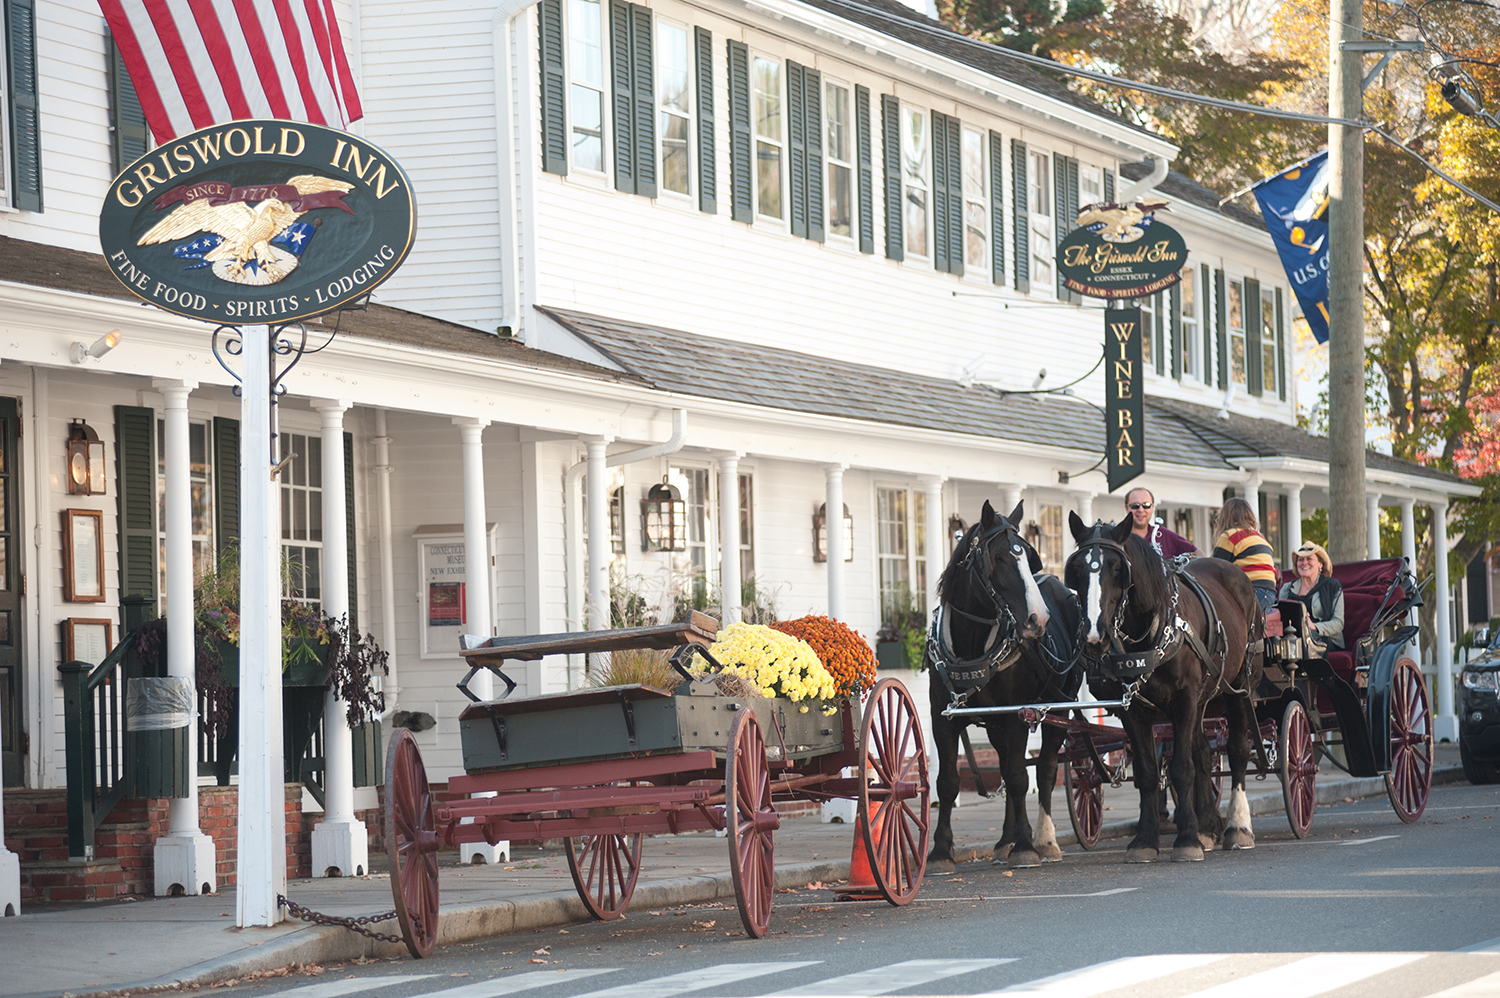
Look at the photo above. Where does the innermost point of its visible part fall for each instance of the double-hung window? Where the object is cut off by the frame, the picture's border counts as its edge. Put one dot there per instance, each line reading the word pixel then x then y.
pixel 915 157
pixel 1269 336
pixel 1236 308
pixel 747 526
pixel 1188 295
pixel 1039 202
pixel 1049 521
pixel 586 83
pixel 673 103
pixel 302 515
pixel 976 201
pixel 691 566
pixel 839 147
pixel 765 79
pixel 901 546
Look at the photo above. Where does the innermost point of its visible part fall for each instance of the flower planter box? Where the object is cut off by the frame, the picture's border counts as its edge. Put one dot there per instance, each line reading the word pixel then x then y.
pixel 298 667
pixel 891 655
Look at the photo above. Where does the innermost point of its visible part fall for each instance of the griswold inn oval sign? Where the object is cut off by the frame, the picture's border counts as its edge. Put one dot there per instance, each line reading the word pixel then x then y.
pixel 1121 252
pixel 258 221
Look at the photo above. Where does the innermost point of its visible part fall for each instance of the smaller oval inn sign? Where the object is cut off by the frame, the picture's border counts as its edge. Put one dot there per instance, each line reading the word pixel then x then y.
pixel 1121 251
pixel 258 221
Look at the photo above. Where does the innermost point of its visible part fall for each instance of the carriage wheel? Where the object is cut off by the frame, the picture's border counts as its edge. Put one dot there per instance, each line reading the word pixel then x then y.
pixel 411 843
pixel 1410 779
pixel 1297 768
pixel 750 820
pixel 1085 801
pixel 894 796
pixel 604 868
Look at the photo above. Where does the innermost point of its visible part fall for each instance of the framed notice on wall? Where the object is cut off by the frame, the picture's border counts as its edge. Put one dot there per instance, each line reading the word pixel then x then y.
pixel 443 578
pixel 83 556
pixel 87 639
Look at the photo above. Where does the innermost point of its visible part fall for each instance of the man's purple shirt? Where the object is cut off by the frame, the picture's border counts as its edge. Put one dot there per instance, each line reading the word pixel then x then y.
pixel 1169 543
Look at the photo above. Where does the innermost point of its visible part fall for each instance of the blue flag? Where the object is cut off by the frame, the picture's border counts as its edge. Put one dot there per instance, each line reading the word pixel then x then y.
pixel 1294 204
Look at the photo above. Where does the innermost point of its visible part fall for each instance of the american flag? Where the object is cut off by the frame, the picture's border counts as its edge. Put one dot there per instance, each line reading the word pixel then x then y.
pixel 197 63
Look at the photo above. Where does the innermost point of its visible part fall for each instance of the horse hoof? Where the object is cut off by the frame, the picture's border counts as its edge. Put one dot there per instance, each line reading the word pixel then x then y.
pixel 1002 852
pixel 1140 855
pixel 1239 838
pixel 1190 853
pixel 1023 859
pixel 936 864
pixel 1207 841
pixel 1051 854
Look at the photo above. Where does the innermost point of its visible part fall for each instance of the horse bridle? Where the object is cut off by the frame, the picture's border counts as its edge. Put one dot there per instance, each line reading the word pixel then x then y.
pixel 1004 637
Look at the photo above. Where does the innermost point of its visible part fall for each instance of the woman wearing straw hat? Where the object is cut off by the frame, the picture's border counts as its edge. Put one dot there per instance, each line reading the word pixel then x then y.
pixel 1317 589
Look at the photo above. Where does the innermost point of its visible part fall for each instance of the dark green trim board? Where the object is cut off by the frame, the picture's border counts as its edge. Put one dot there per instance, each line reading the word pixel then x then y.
pixel 1221 326
pixel 947 194
pixel 1281 371
pixel 554 83
pixel 890 148
pixel 129 139
pixel 25 124
pixel 1022 213
pixel 226 483
pixel 1206 296
pixel 1109 186
pixel 741 146
pixel 135 498
pixel 1254 365
pixel 708 187
pixel 865 168
pixel 997 208
pixel 1174 323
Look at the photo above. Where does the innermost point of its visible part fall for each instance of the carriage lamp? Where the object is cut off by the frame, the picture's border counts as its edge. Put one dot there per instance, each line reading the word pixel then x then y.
pixel 820 534
pixel 85 460
pixel 663 519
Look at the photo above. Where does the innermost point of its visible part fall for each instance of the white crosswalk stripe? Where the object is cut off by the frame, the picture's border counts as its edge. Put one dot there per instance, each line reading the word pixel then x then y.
pixel 1487 986
pixel 908 974
pixel 352 986
pixel 694 980
pixel 517 982
pixel 1102 977
pixel 1311 976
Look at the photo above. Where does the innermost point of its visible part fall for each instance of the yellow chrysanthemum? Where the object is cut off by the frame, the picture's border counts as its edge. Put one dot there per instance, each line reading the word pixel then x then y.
pixel 778 664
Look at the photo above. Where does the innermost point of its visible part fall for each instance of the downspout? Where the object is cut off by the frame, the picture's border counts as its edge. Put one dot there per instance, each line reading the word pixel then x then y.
pixel 572 519
pixel 1134 190
pixel 391 685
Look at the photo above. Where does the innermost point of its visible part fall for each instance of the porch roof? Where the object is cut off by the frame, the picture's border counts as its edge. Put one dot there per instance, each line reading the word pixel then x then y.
pixel 1180 433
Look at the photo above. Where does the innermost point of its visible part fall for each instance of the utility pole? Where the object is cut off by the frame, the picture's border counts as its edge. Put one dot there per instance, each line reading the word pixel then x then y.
pixel 1346 312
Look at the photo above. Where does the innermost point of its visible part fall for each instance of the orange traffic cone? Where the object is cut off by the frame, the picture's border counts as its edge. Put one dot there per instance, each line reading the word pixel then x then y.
pixel 861 885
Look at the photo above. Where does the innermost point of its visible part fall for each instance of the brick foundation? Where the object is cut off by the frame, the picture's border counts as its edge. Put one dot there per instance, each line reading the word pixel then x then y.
pixel 36 830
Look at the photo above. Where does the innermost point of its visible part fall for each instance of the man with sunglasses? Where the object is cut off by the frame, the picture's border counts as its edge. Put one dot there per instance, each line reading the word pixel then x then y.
pixel 1144 523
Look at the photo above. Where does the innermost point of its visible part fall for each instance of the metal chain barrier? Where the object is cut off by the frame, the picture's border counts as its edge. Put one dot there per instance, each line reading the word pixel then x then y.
pixel 354 924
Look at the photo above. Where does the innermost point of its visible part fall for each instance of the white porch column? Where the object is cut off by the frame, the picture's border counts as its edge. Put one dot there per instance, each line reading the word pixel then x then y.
pixel 184 857
pixel 1086 508
pixel 477 589
pixel 261 833
pixel 1293 520
pixel 1010 496
pixel 937 533
pixel 1252 493
pixel 597 501
pixel 1409 552
pixel 729 538
pixel 1445 721
pixel 340 844
pixel 833 532
pixel 1372 524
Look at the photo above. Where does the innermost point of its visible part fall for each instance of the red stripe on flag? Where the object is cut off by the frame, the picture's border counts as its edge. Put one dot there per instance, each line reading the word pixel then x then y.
pixel 325 50
pixel 264 59
pixel 179 63
pixel 207 18
pixel 347 88
pixel 290 35
pixel 140 72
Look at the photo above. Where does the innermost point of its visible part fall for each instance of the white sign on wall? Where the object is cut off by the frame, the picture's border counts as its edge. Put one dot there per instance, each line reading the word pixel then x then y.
pixel 442 586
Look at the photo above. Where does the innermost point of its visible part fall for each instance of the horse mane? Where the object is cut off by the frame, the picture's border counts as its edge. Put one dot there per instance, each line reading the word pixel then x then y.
pixel 1147 573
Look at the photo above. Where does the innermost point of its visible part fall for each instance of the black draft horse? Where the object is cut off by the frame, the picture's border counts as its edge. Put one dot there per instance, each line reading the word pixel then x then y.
pixel 1144 632
pixel 1002 635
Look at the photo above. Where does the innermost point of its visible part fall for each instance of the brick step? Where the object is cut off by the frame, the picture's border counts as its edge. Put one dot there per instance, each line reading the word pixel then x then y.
pixel 95 880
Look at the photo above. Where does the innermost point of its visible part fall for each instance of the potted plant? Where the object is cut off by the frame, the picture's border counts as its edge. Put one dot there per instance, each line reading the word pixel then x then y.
pixel 901 642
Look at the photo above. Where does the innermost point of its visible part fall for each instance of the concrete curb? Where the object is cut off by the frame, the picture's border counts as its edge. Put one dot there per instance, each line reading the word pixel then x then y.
pixel 468 923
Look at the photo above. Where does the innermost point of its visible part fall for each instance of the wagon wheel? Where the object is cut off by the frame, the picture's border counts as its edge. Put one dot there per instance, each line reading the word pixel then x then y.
pixel 894 795
pixel 1296 766
pixel 1085 801
pixel 1410 779
pixel 750 820
pixel 604 869
pixel 411 843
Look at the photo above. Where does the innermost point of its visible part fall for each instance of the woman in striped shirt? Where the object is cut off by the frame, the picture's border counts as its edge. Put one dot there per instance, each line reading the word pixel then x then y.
pixel 1240 542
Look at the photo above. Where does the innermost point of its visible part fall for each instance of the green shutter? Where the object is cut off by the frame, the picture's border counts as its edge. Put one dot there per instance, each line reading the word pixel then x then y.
pixel 1280 348
pixel 997 208
pixel 25 109
pixel 796 131
pixel 947 194
pixel 1018 194
pixel 1221 324
pixel 1065 214
pixel 1254 371
pixel 741 148
pixel 643 103
pixel 129 138
pixel 1109 186
pixel 135 496
pixel 554 82
pixel 865 168
pixel 1174 324
pixel 1206 293
pixel 890 143
pixel 703 41
pixel 812 102
pixel 226 484
pixel 622 96
pixel 940 194
pixel 350 532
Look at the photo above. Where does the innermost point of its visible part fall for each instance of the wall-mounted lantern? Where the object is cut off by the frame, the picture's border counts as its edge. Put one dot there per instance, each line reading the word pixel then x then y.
pixel 663 519
pixel 820 534
pixel 85 460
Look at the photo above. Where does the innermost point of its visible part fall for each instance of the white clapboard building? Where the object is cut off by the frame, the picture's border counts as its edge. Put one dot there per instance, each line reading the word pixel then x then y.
pixel 785 258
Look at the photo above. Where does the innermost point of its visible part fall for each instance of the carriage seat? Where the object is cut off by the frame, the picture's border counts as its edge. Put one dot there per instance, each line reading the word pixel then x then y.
pixel 1365 585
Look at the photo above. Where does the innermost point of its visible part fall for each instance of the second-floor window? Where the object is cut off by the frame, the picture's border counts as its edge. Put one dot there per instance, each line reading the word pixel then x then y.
pixel 976 201
pixel 586 76
pixel 839 146
pixel 1039 202
pixel 1270 369
pixel 766 80
pixel 915 154
pixel 672 101
pixel 1236 309
pixel 1150 348
pixel 1188 295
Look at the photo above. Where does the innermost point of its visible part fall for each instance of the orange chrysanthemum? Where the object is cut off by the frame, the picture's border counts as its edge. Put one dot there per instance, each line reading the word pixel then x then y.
pixel 846 655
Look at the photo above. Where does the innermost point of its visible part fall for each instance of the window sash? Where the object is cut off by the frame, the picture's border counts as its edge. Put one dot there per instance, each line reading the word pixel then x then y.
pixel 586 132
pixel 1270 369
pixel 674 106
pixel 915 165
pixel 747 525
pixel 1236 312
pixel 765 82
pixel 302 515
pixel 976 201
pixel 838 146
pixel 1190 329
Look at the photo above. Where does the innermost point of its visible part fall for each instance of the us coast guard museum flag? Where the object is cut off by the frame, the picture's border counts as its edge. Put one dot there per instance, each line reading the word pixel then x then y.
pixel 197 63
pixel 1294 204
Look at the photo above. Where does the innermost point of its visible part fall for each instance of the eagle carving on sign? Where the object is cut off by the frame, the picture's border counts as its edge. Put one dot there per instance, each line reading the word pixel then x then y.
pixel 253 235
pixel 1119 223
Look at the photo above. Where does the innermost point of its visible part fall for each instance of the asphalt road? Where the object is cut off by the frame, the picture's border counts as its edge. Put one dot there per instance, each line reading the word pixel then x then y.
pixel 1364 906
